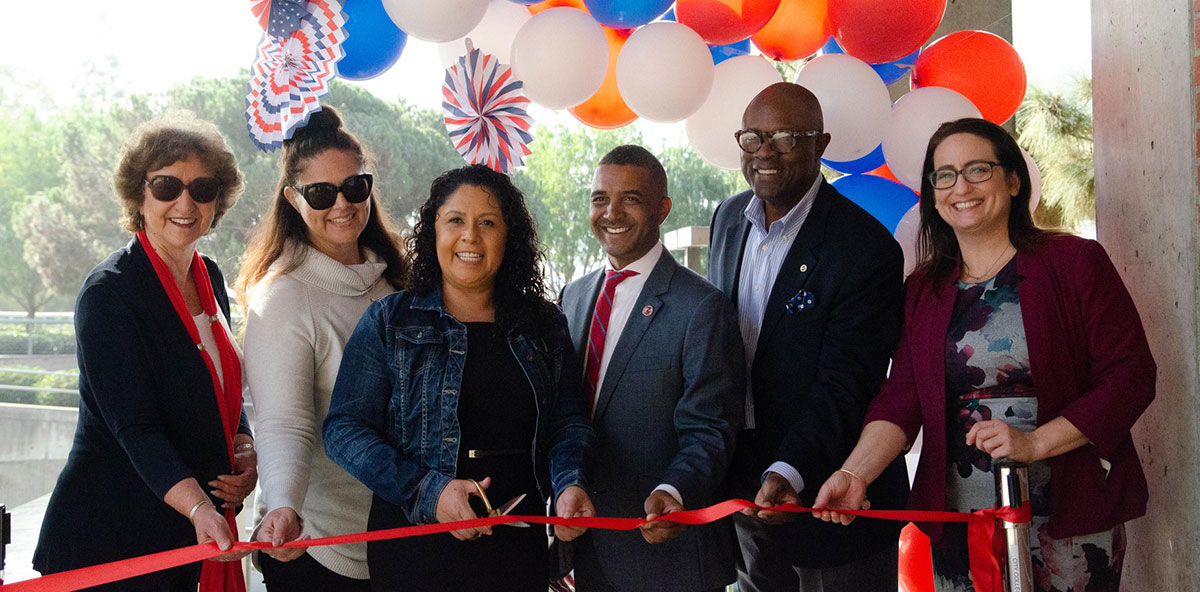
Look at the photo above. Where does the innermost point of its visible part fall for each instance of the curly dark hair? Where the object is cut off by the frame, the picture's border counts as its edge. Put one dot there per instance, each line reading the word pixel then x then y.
pixel 520 290
pixel 937 246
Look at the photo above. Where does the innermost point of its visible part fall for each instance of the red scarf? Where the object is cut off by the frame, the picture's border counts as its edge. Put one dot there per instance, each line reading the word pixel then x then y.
pixel 214 576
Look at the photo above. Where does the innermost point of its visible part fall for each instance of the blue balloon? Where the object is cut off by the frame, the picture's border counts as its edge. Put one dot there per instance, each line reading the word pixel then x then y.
pixel 884 199
pixel 869 162
pixel 525 2
pixel 626 14
pixel 888 71
pixel 668 16
pixel 721 53
pixel 373 42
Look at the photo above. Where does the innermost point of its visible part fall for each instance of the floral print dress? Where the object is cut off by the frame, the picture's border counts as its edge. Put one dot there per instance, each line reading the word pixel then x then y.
pixel 987 377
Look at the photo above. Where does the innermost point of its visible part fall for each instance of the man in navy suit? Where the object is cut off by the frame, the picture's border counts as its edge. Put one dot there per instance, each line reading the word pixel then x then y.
pixel 817 285
pixel 665 376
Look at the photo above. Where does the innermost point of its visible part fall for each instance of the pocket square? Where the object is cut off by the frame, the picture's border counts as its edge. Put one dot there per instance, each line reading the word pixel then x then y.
pixel 803 300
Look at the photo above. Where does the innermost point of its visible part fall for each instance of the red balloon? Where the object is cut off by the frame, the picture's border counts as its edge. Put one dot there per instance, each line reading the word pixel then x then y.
pixel 916 561
pixel 885 172
pixel 878 31
pixel 798 29
pixel 721 22
pixel 606 109
pixel 979 65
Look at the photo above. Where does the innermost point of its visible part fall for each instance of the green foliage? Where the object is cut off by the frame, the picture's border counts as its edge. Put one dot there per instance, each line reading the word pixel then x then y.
pixel 48 339
pixel 12 376
pixel 1055 127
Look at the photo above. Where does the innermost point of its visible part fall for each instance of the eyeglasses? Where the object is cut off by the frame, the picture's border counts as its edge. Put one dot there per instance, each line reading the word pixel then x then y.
pixel 781 141
pixel 976 171
pixel 321 196
pixel 168 188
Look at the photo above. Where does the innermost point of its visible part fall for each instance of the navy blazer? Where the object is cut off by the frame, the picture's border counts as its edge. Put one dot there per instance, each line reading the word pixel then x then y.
pixel 667 412
pixel 147 420
pixel 816 369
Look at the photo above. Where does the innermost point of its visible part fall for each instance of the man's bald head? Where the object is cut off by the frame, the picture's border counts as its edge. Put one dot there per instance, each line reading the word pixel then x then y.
pixel 780 176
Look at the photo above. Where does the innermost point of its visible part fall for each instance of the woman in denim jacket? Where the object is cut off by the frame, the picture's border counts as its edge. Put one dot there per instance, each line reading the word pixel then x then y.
pixel 464 385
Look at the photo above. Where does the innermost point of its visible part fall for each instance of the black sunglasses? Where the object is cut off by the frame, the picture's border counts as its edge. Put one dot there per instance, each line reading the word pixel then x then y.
pixel 321 196
pixel 168 188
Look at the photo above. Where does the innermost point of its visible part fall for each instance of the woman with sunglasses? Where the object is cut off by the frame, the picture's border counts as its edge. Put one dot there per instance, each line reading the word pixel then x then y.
pixel 1020 345
pixel 321 255
pixel 162 455
pixel 464 386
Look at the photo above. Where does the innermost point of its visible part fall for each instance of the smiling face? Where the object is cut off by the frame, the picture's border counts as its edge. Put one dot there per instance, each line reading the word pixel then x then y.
pixel 176 225
pixel 332 231
pixel 627 207
pixel 973 208
pixel 782 179
pixel 470 234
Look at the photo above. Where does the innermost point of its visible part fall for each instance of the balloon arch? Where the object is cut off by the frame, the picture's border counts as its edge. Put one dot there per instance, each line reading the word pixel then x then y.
pixel 611 62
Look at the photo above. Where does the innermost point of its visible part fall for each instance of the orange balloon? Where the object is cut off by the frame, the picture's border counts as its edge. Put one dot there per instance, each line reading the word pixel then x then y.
pixel 979 65
pixel 885 172
pixel 606 109
pixel 721 22
pixel 548 4
pixel 798 29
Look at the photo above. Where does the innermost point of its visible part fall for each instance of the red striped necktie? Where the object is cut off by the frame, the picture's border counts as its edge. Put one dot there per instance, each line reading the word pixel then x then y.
pixel 599 330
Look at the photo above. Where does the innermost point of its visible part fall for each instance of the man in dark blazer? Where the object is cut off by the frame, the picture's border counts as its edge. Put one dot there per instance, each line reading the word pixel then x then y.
pixel 817 285
pixel 666 378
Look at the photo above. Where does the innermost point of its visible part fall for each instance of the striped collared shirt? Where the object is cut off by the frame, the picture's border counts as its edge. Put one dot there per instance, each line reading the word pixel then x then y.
pixel 766 248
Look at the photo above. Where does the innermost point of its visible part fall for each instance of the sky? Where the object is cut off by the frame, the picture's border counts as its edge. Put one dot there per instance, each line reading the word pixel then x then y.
pixel 158 43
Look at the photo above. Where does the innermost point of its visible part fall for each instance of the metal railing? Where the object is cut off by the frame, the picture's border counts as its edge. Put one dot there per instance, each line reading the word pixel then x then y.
pixel 31 323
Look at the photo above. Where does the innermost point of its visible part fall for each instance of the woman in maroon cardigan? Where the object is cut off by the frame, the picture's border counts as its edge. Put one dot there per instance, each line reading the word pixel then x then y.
pixel 1019 343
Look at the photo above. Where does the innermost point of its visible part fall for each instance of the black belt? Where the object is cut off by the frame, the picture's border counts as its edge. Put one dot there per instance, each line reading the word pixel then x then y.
pixel 497 452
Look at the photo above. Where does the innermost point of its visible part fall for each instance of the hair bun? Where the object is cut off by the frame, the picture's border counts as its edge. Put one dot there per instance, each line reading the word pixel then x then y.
pixel 326 120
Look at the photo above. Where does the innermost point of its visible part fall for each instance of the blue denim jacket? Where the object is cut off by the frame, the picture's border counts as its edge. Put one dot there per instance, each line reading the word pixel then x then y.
pixel 393 419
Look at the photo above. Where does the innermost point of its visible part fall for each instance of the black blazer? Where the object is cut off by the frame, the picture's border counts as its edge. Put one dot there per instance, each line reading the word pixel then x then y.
pixel 816 369
pixel 147 419
pixel 668 411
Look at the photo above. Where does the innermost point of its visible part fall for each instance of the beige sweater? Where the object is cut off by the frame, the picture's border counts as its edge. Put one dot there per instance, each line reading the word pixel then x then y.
pixel 297 326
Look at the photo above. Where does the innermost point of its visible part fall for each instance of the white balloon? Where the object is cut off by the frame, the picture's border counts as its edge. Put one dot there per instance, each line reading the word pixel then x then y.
pixel 907 233
pixel 442 20
pixel 665 72
pixel 912 122
pixel 494 34
pixel 710 129
pixel 1035 181
pixel 561 55
pixel 854 101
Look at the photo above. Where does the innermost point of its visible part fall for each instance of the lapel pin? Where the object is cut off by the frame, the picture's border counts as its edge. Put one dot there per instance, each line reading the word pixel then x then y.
pixel 647 310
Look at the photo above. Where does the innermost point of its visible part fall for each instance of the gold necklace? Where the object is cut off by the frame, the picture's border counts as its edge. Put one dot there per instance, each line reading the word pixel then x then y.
pixel 987 274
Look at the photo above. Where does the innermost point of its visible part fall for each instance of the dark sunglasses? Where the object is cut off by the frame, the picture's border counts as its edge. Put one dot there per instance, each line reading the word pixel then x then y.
pixel 321 196
pixel 168 188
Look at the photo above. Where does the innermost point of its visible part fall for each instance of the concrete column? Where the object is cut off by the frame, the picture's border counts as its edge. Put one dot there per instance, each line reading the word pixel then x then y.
pixel 1145 72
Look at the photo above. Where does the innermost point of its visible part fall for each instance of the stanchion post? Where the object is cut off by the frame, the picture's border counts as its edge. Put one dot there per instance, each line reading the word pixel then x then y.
pixel 1012 490
pixel 5 537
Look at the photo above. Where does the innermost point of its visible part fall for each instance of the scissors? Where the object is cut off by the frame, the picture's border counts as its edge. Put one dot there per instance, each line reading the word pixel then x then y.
pixel 502 510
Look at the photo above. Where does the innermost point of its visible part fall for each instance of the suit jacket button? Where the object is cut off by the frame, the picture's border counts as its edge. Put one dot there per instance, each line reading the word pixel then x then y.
pixel 803 267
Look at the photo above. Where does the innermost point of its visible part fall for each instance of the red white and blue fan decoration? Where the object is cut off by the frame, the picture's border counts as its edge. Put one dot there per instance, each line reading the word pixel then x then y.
pixel 485 112
pixel 278 18
pixel 292 71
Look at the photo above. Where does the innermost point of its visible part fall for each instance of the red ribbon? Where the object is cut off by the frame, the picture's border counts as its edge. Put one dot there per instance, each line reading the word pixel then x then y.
pixel 984 546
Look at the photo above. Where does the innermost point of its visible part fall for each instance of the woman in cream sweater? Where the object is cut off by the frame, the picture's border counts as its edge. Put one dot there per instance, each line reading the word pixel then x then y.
pixel 321 255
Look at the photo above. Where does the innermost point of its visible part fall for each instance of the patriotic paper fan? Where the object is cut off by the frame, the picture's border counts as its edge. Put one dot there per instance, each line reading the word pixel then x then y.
pixel 278 18
pixel 290 74
pixel 484 109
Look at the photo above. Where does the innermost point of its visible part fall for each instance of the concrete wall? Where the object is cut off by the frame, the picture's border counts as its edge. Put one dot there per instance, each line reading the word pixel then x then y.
pixel 1145 95
pixel 34 442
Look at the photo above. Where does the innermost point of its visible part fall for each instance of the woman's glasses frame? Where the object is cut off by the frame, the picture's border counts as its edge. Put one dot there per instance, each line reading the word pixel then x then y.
pixel 322 196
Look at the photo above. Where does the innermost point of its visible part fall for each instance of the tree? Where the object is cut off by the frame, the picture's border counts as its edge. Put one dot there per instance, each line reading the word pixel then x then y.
pixel 1055 127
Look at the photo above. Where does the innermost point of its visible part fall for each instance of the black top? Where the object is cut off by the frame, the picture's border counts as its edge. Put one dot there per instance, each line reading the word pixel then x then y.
pixel 147 420
pixel 497 416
